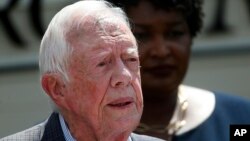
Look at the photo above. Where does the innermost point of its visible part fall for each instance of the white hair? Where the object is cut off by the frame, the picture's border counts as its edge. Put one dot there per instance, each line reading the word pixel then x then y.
pixel 54 49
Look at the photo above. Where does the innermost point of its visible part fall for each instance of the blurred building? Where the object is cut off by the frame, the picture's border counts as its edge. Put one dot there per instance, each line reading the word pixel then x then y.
pixel 220 57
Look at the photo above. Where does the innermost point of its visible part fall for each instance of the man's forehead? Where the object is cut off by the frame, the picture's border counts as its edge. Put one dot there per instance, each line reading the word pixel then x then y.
pixel 93 32
pixel 108 26
pixel 100 52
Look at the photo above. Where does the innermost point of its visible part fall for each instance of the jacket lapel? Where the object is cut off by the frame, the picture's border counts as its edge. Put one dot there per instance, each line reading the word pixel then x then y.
pixel 53 130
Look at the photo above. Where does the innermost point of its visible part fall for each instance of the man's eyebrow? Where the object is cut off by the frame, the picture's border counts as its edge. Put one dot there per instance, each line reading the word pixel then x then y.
pixel 132 50
pixel 99 52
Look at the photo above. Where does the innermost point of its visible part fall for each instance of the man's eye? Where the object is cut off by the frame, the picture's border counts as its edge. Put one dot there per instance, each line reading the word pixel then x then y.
pixel 132 63
pixel 132 59
pixel 101 64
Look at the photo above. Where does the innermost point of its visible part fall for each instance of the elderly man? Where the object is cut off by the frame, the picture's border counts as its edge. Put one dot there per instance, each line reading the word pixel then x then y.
pixel 90 70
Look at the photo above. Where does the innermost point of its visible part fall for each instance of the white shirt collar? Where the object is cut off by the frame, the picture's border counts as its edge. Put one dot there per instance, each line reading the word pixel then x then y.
pixel 66 133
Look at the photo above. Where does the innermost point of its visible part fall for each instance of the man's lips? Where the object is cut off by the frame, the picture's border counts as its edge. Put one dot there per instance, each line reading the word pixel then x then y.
pixel 121 102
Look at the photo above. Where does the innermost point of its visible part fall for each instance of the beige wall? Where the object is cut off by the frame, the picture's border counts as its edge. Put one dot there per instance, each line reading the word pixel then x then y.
pixel 226 73
pixel 22 103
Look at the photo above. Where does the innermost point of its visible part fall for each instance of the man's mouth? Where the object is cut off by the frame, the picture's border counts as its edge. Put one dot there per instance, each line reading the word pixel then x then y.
pixel 121 103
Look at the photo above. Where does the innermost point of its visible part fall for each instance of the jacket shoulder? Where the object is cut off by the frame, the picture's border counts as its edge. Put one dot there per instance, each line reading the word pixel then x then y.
pixel 32 134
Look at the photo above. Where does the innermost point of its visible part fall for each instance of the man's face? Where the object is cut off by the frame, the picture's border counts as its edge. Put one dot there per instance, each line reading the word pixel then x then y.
pixel 104 81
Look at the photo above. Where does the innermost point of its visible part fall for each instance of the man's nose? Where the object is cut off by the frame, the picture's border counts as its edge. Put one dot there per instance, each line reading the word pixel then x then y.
pixel 121 76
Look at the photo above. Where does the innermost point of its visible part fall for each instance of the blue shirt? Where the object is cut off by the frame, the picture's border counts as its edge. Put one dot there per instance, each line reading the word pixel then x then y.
pixel 66 133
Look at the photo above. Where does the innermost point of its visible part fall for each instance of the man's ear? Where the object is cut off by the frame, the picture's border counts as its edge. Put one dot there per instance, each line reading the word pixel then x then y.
pixel 54 87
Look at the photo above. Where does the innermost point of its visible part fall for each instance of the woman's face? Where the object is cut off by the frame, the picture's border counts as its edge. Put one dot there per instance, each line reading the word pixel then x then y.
pixel 164 46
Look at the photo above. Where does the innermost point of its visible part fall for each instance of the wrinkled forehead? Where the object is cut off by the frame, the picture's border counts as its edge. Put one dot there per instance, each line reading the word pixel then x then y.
pixel 107 26
pixel 88 29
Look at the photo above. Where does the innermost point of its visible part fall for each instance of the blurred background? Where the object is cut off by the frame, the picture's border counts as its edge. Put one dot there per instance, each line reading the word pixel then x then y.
pixel 220 58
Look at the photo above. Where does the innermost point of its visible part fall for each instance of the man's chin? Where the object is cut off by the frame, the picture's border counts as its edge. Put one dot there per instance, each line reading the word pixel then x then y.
pixel 128 122
pixel 121 127
pixel 124 118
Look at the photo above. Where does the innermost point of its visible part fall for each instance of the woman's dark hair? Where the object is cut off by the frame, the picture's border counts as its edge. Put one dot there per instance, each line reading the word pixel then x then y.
pixel 191 9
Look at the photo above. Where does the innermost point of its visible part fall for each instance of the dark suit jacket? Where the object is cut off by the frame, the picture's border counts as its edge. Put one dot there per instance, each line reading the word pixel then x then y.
pixel 50 130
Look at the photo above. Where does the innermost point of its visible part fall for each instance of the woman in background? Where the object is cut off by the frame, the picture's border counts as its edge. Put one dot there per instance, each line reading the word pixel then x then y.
pixel 165 30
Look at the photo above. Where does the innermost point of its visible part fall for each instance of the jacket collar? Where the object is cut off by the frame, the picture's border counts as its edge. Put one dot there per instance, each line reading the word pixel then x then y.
pixel 53 130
